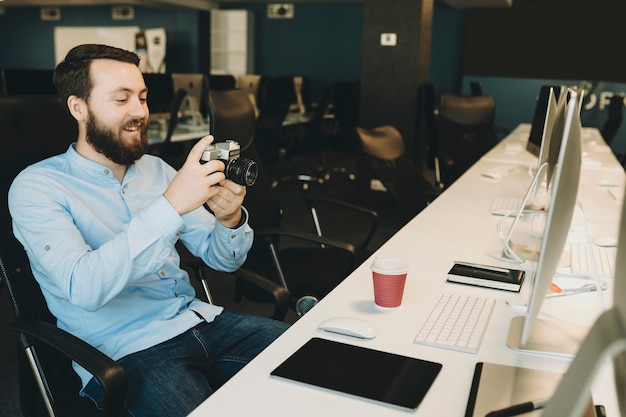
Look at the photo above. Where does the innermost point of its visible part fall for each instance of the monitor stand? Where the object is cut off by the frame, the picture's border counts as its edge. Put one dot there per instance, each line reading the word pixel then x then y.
pixel 548 337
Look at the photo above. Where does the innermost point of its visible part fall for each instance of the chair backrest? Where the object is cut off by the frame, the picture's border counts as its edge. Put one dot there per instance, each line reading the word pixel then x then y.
pixel 276 94
pixel 383 142
pixel 232 116
pixel 465 128
pixel 32 128
pixel 222 82
pixel 22 81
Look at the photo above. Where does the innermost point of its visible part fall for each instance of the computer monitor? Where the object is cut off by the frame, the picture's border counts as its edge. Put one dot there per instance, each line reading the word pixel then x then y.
pixel 543 121
pixel 606 340
pixel 543 118
pixel 529 333
pixel 193 108
pixel 551 148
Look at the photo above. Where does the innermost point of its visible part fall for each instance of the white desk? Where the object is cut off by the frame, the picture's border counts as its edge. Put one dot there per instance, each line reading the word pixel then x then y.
pixel 157 132
pixel 456 226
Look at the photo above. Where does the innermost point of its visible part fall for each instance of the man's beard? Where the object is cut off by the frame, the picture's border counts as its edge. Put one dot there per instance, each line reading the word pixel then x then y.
pixel 108 143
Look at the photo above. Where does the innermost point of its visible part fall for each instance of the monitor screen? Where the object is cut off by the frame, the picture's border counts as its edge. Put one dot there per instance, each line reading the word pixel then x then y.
pixel 558 217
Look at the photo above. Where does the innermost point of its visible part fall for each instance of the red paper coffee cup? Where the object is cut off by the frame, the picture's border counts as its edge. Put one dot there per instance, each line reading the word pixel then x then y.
pixel 389 277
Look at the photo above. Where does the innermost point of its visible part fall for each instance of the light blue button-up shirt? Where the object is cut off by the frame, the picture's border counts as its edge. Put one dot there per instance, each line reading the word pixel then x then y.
pixel 103 252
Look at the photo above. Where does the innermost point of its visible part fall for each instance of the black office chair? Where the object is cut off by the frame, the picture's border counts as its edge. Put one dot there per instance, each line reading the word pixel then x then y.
pixel 276 95
pixel 382 157
pixel 26 82
pixel 466 131
pixel 304 261
pixel 309 260
pixel 615 115
pixel 44 351
pixel 222 82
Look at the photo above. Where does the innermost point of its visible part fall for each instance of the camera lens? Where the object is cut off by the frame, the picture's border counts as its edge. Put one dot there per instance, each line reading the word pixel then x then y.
pixel 242 171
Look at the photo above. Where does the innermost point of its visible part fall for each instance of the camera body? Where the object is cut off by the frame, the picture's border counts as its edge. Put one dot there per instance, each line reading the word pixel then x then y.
pixel 240 170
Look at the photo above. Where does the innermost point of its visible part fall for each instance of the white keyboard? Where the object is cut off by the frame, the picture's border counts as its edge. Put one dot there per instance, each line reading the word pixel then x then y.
pixel 583 257
pixel 502 206
pixel 457 322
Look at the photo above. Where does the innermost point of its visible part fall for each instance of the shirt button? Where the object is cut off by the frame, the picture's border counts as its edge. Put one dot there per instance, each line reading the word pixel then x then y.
pixel 47 247
pixel 106 172
pixel 175 294
pixel 233 236
pixel 178 233
pixel 162 273
pixel 123 191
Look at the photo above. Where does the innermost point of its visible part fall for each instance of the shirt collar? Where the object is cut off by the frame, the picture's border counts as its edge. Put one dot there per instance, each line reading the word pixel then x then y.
pixel 95 171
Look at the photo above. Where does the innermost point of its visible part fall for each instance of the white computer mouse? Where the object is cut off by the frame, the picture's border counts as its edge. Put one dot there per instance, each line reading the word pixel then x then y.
pixel 349 326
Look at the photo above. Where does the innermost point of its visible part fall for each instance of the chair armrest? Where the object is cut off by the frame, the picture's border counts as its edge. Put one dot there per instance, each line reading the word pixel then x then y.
pixel 321 240
pixel 371 214
pixel 107 372
pixel 278 293
pixel 282 298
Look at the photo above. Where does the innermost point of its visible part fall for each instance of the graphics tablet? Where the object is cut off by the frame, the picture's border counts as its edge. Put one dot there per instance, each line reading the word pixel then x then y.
pixel 355 370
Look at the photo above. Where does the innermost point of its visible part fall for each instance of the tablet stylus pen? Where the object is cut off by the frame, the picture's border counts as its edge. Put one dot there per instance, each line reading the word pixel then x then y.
pixel 518 409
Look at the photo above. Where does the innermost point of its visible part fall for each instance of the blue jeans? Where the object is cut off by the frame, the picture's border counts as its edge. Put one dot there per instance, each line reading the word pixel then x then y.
pixel 174 377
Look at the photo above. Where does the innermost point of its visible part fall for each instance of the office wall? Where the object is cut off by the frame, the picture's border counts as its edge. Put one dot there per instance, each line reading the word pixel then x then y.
pixel 567 39
pixel 322 40
pixel 28 42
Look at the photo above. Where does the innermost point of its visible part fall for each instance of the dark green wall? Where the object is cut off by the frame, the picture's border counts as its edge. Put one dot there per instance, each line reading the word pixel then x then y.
pixel 322 41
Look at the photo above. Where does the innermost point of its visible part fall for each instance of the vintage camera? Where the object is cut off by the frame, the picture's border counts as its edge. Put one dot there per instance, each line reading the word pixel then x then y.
pixel 240 170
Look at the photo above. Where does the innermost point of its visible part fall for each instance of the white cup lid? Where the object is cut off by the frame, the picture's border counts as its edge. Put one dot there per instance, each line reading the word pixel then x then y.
pixel 389 265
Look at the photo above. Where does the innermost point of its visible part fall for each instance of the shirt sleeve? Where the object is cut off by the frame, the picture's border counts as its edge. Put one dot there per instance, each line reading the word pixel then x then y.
pixel 88 276
pixel 219 247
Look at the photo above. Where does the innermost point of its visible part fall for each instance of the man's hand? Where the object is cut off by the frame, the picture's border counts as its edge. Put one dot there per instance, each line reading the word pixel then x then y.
pixel 194 184
pixel 226 204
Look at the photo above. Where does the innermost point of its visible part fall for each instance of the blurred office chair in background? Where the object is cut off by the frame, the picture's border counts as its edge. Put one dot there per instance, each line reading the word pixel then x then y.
pixel 160 92
pixel 303 259
pixel 309 260
pixel 465 132
pixel 26 82
pixel 615 114
pixel 427 126
pixel 222 82
pixel 382 160
pixel 276 95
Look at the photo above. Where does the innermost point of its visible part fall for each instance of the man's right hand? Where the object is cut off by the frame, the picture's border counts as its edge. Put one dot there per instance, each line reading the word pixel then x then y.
pixel 194 183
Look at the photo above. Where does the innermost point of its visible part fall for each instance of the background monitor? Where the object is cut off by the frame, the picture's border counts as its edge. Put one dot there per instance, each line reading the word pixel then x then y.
pixel 195 104
pixel 529 333
pixel 542 123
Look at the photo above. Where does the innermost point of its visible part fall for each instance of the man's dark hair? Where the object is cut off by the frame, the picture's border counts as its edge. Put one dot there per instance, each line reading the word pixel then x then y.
pixel 71 77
